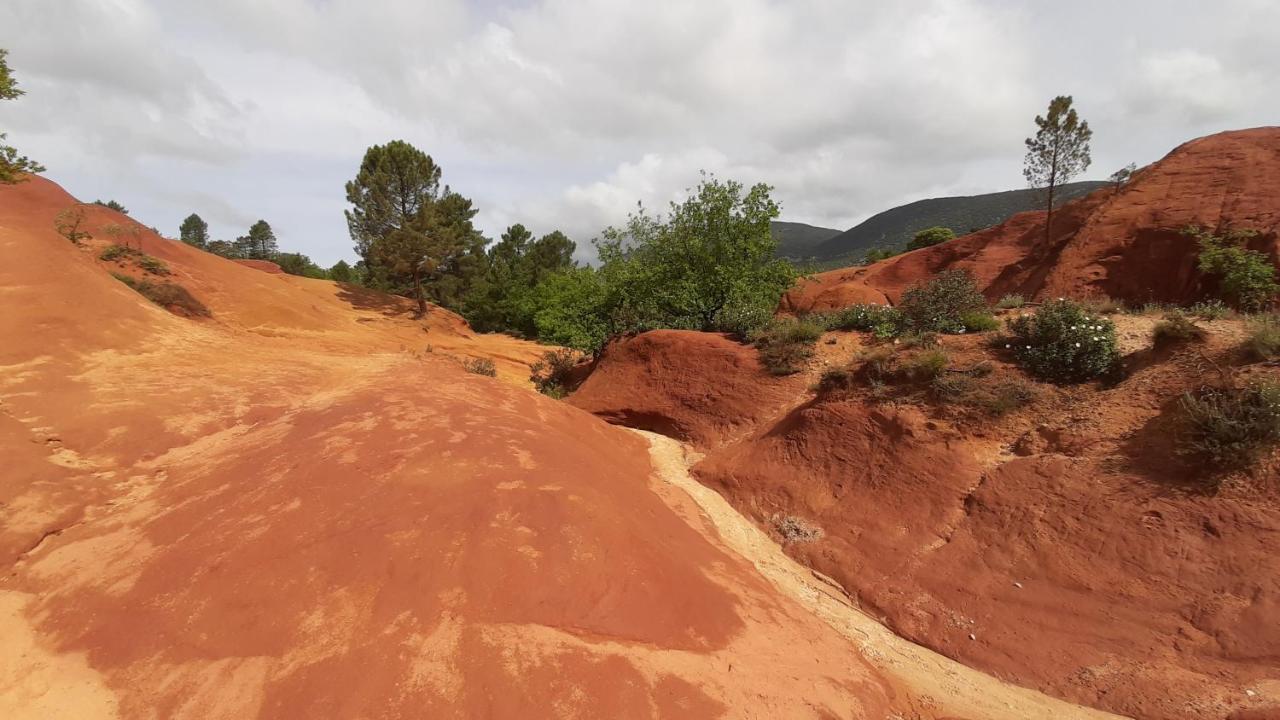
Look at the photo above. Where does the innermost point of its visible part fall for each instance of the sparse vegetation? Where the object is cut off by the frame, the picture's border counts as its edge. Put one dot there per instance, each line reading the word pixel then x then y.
pixel 112 205
pixel 1246 278
pixel 930 237
pixel 1011 301
pixel 1176 328
pixel 882 320
pixel 480 366
pixel 1103 305
pixel 552 374
pixel 792 529
pixel 170 296
pixel 155 266
pixel 979 321
pixel 1210 310
pixel 1230 428
pixel 1063 342
pixel 786 344
pixel 68 222
pixel 1263 341
pixel 941 304
pixel 118 252
pixel 12 165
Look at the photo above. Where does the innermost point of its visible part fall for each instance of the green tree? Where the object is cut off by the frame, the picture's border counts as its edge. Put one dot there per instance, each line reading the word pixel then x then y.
pixel 112 205
pixel 575 309
pixel 710 259
pixel 407 229
pixel 224 248
pixel 929 237
pixel 259 244
pixel 341 272
pixel 1122 176
pixel 1058 152
pixel 12 165
pixel 194 231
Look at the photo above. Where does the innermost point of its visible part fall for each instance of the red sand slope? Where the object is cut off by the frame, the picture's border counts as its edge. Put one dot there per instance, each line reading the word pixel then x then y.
pixel 292 510
pixel 1126 246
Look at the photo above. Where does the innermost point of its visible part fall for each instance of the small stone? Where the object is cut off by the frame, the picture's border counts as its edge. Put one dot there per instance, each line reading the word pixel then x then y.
pixel 1250 693
pixel 972 636
pixel 1017 584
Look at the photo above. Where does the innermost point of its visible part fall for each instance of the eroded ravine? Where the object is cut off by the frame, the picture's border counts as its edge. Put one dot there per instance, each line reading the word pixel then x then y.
pixel 939 687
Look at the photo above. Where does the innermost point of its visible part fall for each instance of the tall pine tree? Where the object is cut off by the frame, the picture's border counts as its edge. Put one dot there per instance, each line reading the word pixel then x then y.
pixel 1058 152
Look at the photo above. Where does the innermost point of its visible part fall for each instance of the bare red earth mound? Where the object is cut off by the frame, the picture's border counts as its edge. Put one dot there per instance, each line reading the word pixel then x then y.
pixel 1127 246
pixel 699 387
pixel 291 509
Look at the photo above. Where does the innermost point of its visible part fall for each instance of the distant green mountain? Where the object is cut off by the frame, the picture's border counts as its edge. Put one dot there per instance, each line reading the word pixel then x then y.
pixel 892 229
pixel 797 240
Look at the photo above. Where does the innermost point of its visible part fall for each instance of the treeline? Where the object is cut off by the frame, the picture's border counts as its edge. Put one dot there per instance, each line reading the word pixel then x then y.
pixel 259 243
pixel 708 265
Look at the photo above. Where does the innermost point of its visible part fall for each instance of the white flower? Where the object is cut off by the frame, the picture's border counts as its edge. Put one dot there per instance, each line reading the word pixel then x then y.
pixel 1028 347
pixel 1077 344
pixel 1006 346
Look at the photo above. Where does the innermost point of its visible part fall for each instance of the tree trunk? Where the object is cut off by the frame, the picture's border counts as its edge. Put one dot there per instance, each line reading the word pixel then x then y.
pixel 1048 221
pixel 417 291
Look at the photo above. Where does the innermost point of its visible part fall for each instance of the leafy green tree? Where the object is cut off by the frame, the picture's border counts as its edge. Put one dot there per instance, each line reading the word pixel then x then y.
pixel 12 165
pixel 407 229
pixel 575 309
pixel 194 231
pixel 929 237
pixel 299 264
pixel 112 205
pixel 1246 278
pixel 1058 152
pixel 712 257
pixel 502 297
pixel 341 272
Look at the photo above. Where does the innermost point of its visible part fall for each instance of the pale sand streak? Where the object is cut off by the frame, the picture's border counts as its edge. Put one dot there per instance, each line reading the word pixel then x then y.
pixel 955 689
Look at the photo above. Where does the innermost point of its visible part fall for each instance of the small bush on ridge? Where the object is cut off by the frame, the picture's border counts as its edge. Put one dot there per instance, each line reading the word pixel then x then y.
pixel 551 374
pixel 1062 342
pixel 1263 342
pixel 116 252
pixel 979 321
pixel 1011 301
pixel 786 344
pixel 167 295
pixel 480 366
pixel 1176 327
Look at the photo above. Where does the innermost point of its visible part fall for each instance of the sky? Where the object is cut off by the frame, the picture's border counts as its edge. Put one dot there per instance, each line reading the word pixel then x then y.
pixel 563 114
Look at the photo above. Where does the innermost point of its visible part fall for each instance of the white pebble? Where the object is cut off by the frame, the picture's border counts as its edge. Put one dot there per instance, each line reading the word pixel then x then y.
pixel 972 636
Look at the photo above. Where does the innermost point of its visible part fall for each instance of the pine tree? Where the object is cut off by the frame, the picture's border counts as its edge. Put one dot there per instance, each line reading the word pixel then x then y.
pixel 194 231
pixel 12 165
pixel 1058 152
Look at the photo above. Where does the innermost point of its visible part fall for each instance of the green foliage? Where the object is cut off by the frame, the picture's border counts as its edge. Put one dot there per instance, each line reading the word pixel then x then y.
pixel 1263 341
pixel 410 231
pixel 924 367
pixel 1246 278
pixel 224 248
pixel 299 264
pixel 480 366
pixel 575 309
pixel 12 165
pixel 711 257
pixel 170 296
pixel 1230 428
pixel 342 272
pixel 155 266
pixel 875 255
pixel 930 237
pixel 786 344
pixel 1175 328
pixel 1011 301
pixel 553 374
pixel 1210 310
pixel 1063 342
pixel 979 321
pixel 68 222
pixel 883 320
pixel 118 252
pixel 112 205
pixel 194 231
pixel 503 297
pixel 1057 152
pixel 941 304
pixel 259 244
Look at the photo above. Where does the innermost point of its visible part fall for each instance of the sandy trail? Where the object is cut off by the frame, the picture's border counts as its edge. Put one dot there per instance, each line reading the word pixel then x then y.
pixel 940 686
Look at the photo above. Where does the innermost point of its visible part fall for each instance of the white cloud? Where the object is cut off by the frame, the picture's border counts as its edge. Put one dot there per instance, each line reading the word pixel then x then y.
pixel 564 113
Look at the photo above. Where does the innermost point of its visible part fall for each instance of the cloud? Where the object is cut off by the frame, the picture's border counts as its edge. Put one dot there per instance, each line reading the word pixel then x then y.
pixel 565 113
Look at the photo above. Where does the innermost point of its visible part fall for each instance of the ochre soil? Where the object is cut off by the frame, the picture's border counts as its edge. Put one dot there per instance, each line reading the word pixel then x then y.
pixel 1125 245
pixel 301 506
pixel 1063 546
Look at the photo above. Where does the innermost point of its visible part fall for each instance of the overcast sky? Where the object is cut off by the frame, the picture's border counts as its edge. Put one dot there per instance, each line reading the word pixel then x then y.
pixel 564 113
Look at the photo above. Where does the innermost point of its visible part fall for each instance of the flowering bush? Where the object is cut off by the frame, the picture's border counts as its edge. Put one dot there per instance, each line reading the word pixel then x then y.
pixel 882 320
pixel 1232 427
pixel 1063 342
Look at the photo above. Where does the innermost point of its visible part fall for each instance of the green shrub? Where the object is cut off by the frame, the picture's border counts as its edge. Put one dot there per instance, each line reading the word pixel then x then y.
pixel 1062 342
pixel 117 252
pixel 979 321
pixel 925 367
pixel 152 265
pixel 553 374
pixel 170 296
pixel 882 320
pixel 480 366
pixel 1011 301
pixel 879 365
pixel 1246 278
pixel 1263 341
pixel 1210 310
pixel 1231 427
pixel 1007 396
pixel 835 379
pixel 930 237
pixel 786 344
pixel 940 304
pixel 741 320
pixel 1176 327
